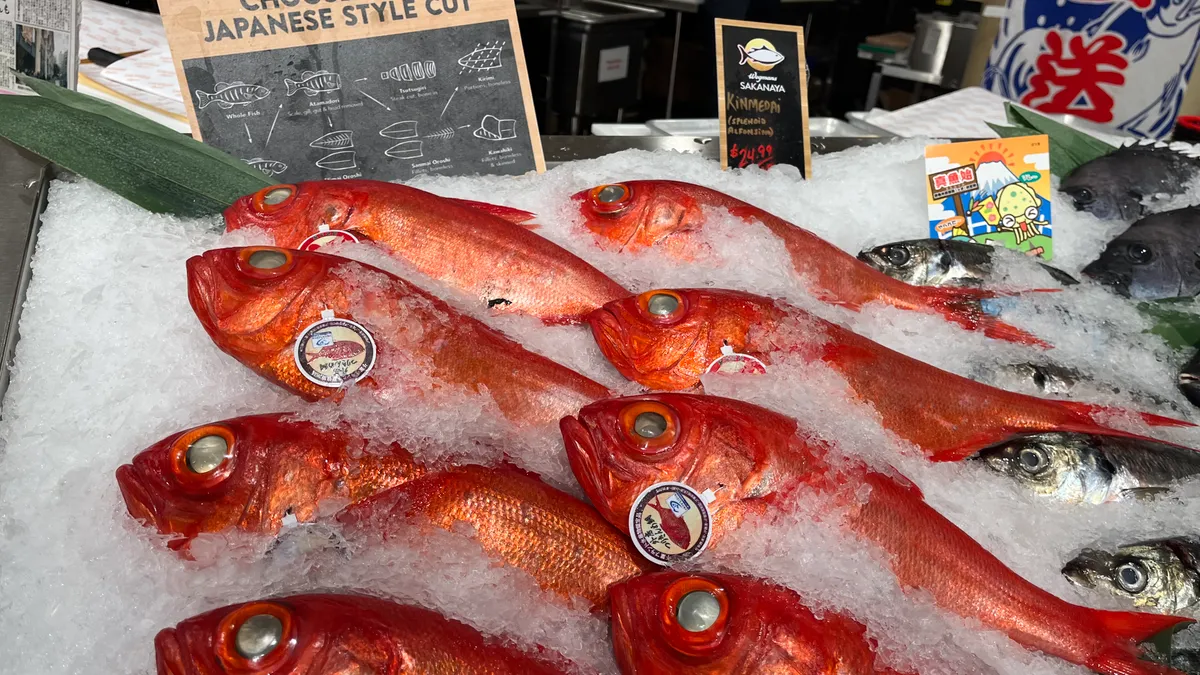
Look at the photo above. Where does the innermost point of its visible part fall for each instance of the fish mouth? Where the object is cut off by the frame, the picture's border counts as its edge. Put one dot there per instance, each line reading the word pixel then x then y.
pixel 612 338
pixel 140 500
pixel 1081 570
pixel 1119 283
pixel 583 456
pixel 168 654
pixel 202 284
pixel 621 627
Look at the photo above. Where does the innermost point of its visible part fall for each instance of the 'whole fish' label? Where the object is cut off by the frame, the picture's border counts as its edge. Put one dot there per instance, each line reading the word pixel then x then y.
pixel 327 237
pixel 670 523
pixel 731 362
pixel 334 352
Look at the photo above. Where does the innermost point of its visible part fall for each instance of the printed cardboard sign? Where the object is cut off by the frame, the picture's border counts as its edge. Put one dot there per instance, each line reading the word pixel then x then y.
pixel 992 192
pixel 763 95
pixel 386 90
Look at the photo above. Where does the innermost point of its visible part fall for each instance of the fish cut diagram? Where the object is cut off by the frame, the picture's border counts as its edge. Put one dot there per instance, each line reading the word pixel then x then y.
pixel 442 134
pixel 342 160
pixel 492 128
pixel 406 150
pixel 408 72
pixel 228 94
pixel 485 56
pixel 270 167
pixel 400 130
pixel 313 83
pixel 335 140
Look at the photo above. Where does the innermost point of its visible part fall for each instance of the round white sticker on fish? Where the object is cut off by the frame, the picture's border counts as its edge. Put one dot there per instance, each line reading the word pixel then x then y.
pixel 670 523
pixel 334 352
pixel 733 363
pixel 327 237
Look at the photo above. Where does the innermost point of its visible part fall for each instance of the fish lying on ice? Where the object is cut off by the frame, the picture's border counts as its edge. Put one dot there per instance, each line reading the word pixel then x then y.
pixel 266 306
pixel 1115 186
pixel 228 94
pixel 328 634
pixel 558 540
pixel 671 622
pixel 1093 468
pixel 1154 259
pixel 668 339
pixel 473 247
pixel 749 460
pixel 669 215
pixel 252 474
pixel 1160 575
pixel 943 262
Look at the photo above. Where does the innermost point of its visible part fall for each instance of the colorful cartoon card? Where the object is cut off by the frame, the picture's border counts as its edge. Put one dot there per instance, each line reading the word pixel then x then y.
pixel 993 192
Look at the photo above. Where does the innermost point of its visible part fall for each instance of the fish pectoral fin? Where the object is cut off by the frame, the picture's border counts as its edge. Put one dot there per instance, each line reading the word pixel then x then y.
pixel 221 103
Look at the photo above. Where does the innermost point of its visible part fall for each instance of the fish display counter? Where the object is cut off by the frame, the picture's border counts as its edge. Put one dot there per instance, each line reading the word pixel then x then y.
pixel 632 415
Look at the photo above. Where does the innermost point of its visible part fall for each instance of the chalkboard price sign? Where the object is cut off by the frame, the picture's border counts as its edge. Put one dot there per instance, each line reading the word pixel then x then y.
pixel 763 90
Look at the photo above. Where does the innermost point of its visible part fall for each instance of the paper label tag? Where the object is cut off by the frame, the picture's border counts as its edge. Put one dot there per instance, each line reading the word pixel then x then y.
pixel 334 352
pixel 731 362
pixel 670 523
pixel 327 237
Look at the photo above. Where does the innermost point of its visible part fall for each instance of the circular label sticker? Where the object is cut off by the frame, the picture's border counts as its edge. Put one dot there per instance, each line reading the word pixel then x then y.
pixel 325 238
pixel 334 352
pixel 670 523
pixel 731 362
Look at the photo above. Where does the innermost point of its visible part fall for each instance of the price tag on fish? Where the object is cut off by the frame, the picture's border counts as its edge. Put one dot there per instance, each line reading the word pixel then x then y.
pixel 762 94
pixel 386 90
pixel 670 523
pixel 993 192
pixel 334 352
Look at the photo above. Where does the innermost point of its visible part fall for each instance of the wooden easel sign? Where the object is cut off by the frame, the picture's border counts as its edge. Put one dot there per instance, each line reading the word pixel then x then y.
pixel 385 90
pixel 762 85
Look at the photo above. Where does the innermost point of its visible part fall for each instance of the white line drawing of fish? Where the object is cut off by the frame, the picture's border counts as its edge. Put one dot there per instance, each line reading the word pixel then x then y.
pixel 270 167
pixel 313 83
pixel 759 55
pixel 228 94
pixel 492 128
pixel 342 160
pixel 399 130
pixel 405 150
pixel 334 140
pixel 485 56
pixel 442 134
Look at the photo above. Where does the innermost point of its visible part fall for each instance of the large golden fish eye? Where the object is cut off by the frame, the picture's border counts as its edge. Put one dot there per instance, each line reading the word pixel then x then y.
pixel 698 611
pixel 272 198
pixel 265 262
pixel 662 305
pixel 202 458
pixel 611 199
pixel 256 637
pixel 649 425
pixel 267 259
pixel 694 613
pixel 206 453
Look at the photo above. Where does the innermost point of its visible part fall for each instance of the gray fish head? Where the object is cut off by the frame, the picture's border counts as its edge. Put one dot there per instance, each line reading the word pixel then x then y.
pixel 1155 258
pixel 912 262
pixel 1159 575
pixel 1061 466
pixel 1102 188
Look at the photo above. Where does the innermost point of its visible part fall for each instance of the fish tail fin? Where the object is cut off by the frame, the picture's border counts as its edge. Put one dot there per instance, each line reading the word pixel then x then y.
pixel 964 306
pixel 203 98
pixel 292 86
pixel 1087 410
pixel 743 55
pixel 1120 662
pixel 1133 627
pixel 512 215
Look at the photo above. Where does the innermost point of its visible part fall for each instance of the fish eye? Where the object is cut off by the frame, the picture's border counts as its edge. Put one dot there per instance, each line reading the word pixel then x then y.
pixel 258 636
pixel 206 453
pixel 698 611
pixel 662 304
pixel 254 637
pixel 272 198
pixel 1083 197
pixel 1032 460
pixel 1132 577
pixel 650 425
pixel 1138 254
pixel 611 199
pixel 267 259
pixel 897 255
pixel 265 262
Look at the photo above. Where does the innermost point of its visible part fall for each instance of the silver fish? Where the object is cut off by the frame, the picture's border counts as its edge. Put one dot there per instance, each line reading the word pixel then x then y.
pixel 270 167
pixel 1161 575
pixel 228 94
pixel 313 83
pixel 941 262
pixel 1092 468
pixel 760 55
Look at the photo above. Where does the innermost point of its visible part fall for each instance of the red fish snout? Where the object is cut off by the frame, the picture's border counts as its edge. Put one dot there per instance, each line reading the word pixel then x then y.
pixel 142 502
pixel 168 654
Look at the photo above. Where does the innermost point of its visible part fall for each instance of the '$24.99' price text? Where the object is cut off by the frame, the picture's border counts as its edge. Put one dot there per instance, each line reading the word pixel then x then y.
pixel 743 156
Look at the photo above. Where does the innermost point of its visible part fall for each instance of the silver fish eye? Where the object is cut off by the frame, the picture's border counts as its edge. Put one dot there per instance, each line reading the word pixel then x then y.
pixel 277 196
pixel 662 304
pixel 1132 577
pixel 206 453
pixel 649 425
pixel 1032 460
pixel 267 259
pixel 610 193
pixel 697 611
pixel 258 636
pixel 897 255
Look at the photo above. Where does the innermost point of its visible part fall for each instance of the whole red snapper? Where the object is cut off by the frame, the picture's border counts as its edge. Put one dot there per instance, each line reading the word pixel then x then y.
pixel 337 635
pixel 669 215
pixel 248 474
pixel 255 303
pixel 720 624
pixel 560 541
pixel 472 247
pixel 667 339
pixel 753 460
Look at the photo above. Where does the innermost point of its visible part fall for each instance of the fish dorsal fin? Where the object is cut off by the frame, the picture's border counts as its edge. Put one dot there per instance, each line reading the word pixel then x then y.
pixel 307 74
pixel 222 85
